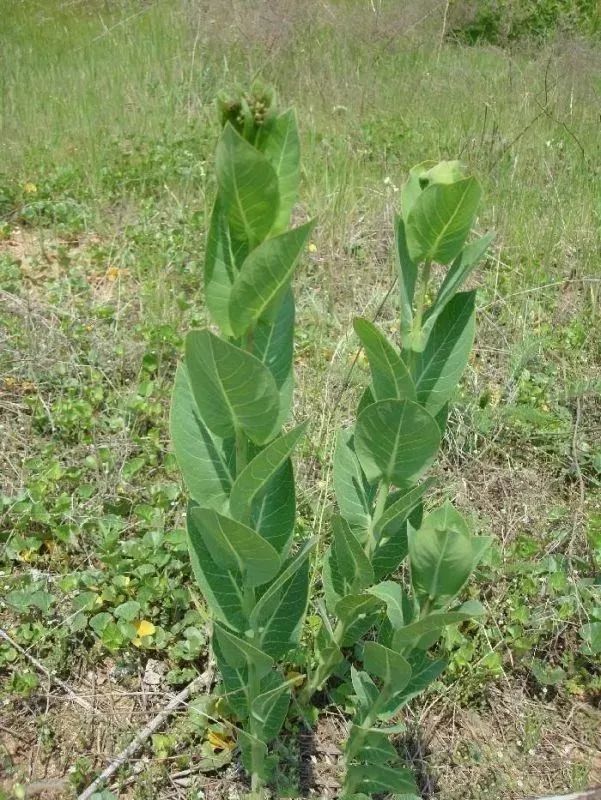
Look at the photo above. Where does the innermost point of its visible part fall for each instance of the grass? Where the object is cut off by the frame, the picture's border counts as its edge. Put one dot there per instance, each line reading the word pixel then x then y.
pixel 108 130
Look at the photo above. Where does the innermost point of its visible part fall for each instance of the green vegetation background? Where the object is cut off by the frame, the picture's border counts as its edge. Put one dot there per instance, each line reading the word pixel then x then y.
pixel 108 129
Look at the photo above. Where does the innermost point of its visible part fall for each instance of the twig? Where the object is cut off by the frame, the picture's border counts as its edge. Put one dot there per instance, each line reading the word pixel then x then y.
pixel 38 665
pixel 590 794
pixel 203 681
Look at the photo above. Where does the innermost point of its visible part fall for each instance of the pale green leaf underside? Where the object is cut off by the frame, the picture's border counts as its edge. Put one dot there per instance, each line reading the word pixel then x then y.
pixel 440 220
pixel 281 146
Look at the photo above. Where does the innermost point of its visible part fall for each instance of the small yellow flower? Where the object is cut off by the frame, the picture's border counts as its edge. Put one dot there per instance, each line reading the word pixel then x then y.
pixel 112 273
pixel 30 188
pixel 144 628
pixel 220 742
pixel 312 247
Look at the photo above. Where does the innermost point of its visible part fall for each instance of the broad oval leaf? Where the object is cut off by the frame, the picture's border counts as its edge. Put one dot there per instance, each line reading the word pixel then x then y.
pixel 353 495
pixel 236 546
pixel 233 389
pixel 440 219
pixel 281 146
pixel 248 187
pixel 274 511
pixel 390 377
pixel 400 509
pixel 441 554
pixel 268 710
pixel 273 345
pixel 206 461
pixel 255 476
pixel 379 779
pixel 437 370
pixel 358 613
pixel 396 440
pixel 392 669
pixel 279 612
pixel 351 569
pixel 410 635
pixel 398 604
pixel 460 270
pixel 264 276
pixel 239 652
pixel 223 257
pixel 219 585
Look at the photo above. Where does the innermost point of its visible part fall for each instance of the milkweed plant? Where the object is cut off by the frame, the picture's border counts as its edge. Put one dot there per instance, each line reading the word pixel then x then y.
pixel 231 432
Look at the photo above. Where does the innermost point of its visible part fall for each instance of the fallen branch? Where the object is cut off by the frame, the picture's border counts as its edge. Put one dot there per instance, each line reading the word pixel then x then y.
pixel 203 681
pixel 588 794
pixel 52 678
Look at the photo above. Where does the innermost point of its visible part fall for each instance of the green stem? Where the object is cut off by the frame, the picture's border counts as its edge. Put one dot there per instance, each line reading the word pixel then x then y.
pixel 256 752
pixel 421 299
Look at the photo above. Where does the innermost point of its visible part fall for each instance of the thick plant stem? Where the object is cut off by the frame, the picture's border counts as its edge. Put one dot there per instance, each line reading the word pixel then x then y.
pixel 256 752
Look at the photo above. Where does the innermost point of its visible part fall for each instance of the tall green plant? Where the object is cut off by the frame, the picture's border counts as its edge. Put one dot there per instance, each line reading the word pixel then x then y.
pixel 379 466
pixel 231 400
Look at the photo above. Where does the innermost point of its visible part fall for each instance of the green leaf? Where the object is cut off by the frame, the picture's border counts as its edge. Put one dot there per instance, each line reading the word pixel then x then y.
pixel 236 546
pixel 254 477
pixel 326 649
pixel 250 744
pixel 390 377
pixel 128 611
pixel 350 567
pixel 264 276
pixel 400 509
pixel 371 747
pixel 440 219
pixel 412 188
pixel 281 146
pixel 358 612
pixel 398 606
pixel 396 440
pixel 273 345
pixel 239 652
pixel 248 187
pixel 438 368
pixel 407 270
pixel 222 259
pixel 233 389
pixel 590 633
pixel 365 689
pixel 410 635
pixel 376 778
pixel 280 611
pixel 460 270
pixel 274 512
pixel 352 493
pixel 393 547
pixel 220 587
pixel 392 669
pixel 441 554
pixel 269 709
pixel 204 459
pixel 424 671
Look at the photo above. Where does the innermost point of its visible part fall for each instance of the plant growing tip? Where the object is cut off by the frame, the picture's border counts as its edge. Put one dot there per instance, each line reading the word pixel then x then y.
pixel 231 400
